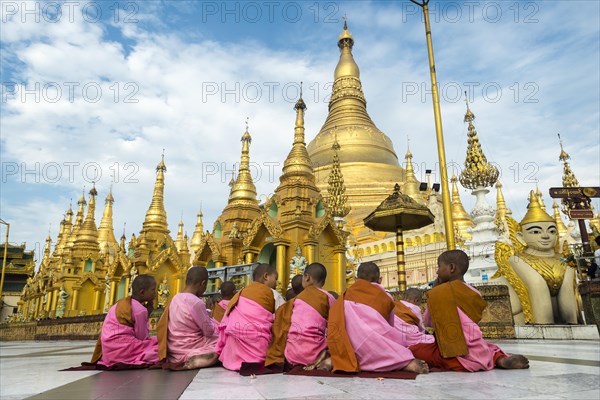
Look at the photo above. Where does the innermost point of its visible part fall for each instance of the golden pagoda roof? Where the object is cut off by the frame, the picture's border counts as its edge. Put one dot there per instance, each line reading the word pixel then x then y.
pixel 460 217
pixel 156 216
pixel 361 140
pixel 535 213
pixel 106 234
pixel 478 172
pixel 243 188
pixel 87 236
pixel 411 183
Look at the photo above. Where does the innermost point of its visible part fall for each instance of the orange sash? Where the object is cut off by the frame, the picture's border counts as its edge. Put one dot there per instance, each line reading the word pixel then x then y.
pixel 363 292
pixel 443 301
pixel 405 313
pixel 123 314
pixel 258 292
pixel 218 312
pixel 162 332
pixel 283 320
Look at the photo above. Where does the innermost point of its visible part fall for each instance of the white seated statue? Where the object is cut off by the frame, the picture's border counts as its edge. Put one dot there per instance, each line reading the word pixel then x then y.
pixel 542 288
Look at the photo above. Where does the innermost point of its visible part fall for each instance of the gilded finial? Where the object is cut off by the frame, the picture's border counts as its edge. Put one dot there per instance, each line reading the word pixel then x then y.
pixel 337 199
pixel 535 213
pixel 478 172
pixel 568 179
pixel 300 105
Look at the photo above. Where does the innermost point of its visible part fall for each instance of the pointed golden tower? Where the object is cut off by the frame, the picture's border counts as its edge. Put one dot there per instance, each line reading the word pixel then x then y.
pixel 460 218
pixel 156 216
pixel 367 155
pixel 478 172
pixel 569 179
pixel 502 212
pixel 78 220
pixel 337 201
pixel 411 183
pixel 179 240
pixel 87 236
pixel 198 232
pixel 560 225
pixel 243 188
pixel 106 234
pixel 540 197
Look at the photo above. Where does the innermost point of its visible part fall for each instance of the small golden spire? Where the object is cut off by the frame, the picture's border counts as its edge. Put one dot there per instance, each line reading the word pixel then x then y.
pixel 106 234
pixel 298 163
pixel 337 201
pixel 540 197
pixel 243 188
pixel 478 171
pixel 460 218
pixel 156 216
pixel 568 179
pixel 411 183
pixel 346 66
pixel 560 225
pixel 87 236
pixel 501 209
pixel 179 241
pixel 535 213
pixel 198 232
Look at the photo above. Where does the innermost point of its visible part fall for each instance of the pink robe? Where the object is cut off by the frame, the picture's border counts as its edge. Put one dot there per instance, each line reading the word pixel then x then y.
pixel 126 344
pixel 412 334
pixel 191 330
pixel 244 334
pixel 374 339
pixel 308 333
pixel 481 352
pixel 223 304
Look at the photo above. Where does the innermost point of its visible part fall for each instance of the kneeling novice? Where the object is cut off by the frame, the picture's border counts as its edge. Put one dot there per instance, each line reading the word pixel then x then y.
pixel 361 334
pixel 453 309
pixel 408 318
pixel 186 333
pixel 245 330
pixel 299 330
pixel 124 338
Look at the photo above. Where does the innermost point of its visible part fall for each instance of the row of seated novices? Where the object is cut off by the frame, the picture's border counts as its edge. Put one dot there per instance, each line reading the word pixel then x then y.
pixel 363 330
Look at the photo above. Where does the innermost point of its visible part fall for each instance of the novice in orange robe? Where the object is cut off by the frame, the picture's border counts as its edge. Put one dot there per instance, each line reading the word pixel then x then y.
pixel 245 330
pixel 228 290
pixel 454 308
pixel 186 333
pixel 124 338
pixel 408 318
pixel 299 330
pixel 361 334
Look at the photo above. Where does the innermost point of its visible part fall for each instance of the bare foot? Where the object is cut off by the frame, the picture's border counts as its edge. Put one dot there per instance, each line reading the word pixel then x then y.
pixel 201 361
pixel 417 366
pixel 325 365
pixel 514 361
pixel 322 355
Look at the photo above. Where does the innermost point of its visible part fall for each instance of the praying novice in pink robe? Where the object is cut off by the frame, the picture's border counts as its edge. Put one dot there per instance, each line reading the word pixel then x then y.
pixel 245 331
pixel 299 330
pixel 453 309
pixel 186 333
pixel 228 290
pixel 408 319
pixel 361 334
pixel 124 337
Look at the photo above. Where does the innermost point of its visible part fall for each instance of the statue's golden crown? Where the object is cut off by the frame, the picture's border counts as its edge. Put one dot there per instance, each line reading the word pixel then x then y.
pixel 535 212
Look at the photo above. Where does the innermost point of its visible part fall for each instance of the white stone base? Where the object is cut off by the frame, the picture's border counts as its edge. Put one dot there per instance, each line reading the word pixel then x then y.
pixel 558 332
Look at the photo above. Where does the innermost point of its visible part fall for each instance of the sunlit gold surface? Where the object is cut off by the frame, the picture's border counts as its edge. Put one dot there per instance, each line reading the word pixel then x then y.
pixel 460 218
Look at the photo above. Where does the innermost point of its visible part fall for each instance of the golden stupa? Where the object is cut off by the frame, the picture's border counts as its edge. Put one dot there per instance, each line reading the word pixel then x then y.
pixel 366 155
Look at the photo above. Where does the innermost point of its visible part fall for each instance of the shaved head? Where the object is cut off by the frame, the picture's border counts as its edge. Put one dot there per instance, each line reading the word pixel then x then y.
pixel 457 257
pixel 227 290
pixel 142 282
pixel 196 275
pixel 318 272
pixel 262 269
pixel 297 284
pixel 413 294
pixel 368 271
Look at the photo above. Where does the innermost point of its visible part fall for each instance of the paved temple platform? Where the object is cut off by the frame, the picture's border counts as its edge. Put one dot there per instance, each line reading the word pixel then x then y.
pixel 562 369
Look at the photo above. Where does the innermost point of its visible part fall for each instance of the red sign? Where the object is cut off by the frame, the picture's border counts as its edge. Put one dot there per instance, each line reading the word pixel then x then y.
pixel 581 214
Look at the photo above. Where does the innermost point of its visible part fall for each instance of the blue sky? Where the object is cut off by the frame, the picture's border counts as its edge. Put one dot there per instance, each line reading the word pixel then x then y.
pixel 99 90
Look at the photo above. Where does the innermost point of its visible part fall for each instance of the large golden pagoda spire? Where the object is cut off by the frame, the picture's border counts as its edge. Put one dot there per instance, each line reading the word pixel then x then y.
pixel 298 162
pixel 367 155
pixel 337 199
pixel 411 183
pixel 156 216
pixel 569 179
pixel 88 233
pixel 198 232
pixel 106 234
pixel 243 188
pixel 460 218
pixel 478 172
